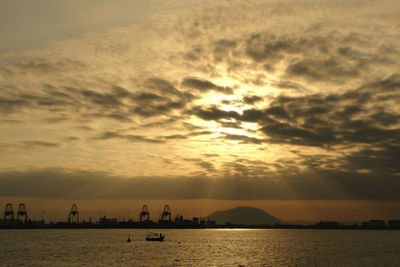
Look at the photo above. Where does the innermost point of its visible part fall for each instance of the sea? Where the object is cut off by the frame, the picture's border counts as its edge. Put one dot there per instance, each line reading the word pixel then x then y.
pixel 199 247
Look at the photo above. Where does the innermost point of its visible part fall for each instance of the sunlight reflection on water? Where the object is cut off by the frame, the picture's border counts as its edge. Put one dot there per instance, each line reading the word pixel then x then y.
pixel 217 247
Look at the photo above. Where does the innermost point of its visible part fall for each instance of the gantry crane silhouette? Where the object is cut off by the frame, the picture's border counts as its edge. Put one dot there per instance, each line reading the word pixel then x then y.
pixel 73 216
pixel 22 213
pixel 9 213
pixel 144 215
pixel 166 215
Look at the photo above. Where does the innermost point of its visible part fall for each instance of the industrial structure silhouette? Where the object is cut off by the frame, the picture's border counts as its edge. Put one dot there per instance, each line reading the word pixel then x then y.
pixel 21 220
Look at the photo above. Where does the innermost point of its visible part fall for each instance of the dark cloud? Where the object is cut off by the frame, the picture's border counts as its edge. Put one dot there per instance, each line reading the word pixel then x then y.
pixel 360 116
pixel 322 70
pixel 244 139
pixel 269 50
pixel 36 143
pixel 119 116
pixel 57 119
pixel 253 115
pixel 10 121
pixel 286 133
pixel 74 138
pixel 120 92
pixel 250 100
pixel 213 113
pixel 278 112
pixel 174 137
pixel 317 56
pixel 246 168
pixel 44 66
pixel 148 97
pixel 13 105
pixel 30 145
pixel 230 124
pixel 223 49
pixel 163 86
pixel 204 85
pixel 152 108
pixel 289 85
pixel 202 163
pixel 160 98
pixel 379 162
pixel 128 137
pixel 200 133
pixel 211 155
pixel 386 118
pixel 184 136
pixel 55 183
pixel 104 100
pixel 194 55
pixel 163 99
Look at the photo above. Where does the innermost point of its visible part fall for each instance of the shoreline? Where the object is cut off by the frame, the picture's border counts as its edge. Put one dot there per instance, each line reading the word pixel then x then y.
pixel 100 226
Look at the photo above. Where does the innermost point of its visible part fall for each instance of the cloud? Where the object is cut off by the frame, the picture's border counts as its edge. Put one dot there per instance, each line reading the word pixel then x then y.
pixel 213 113
pixel 204 85
pixel 11 121
pixel 29 145
pixel 314 107
pixel 56 183
pixel 202 163
pixel 319 70
pixel 12 105
pixel 250 100
pixel 223 48
pixel 128 137
pixel 243 138
pixel 104 100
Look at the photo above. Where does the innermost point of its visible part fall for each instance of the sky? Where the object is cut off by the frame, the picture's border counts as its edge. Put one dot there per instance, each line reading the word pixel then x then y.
pixel 289 106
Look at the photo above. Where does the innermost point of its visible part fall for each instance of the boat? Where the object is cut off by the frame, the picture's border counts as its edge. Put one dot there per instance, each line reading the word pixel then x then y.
pixel 155 237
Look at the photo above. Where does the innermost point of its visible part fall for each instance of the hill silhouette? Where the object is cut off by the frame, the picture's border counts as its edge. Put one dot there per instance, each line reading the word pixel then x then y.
pixel 243 215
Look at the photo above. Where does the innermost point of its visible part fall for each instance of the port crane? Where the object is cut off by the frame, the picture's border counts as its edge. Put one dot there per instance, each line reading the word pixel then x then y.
pixel 9 213
pixel 166 214
pixel 73 216
pixel 144 214
pixel 22 212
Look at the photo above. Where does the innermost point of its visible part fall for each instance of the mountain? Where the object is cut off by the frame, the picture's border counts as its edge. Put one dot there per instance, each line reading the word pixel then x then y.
pixel 243 215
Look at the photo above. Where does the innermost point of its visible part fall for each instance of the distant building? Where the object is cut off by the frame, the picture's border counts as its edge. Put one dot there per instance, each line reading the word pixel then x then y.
pixel 106 220
pixel 195 220
pixel 327 224
pixel 179 219
pixel 211 223
pixel 394 223
pixel 374 223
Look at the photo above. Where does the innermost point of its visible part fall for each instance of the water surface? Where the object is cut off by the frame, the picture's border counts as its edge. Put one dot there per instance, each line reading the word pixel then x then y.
pixel 225 247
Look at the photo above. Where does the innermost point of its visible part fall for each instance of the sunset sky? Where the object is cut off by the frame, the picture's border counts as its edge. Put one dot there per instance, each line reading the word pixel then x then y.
pixel 289 106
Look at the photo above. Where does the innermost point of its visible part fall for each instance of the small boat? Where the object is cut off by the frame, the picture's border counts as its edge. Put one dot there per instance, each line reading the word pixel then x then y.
pixel 129 239
pixel 155 237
